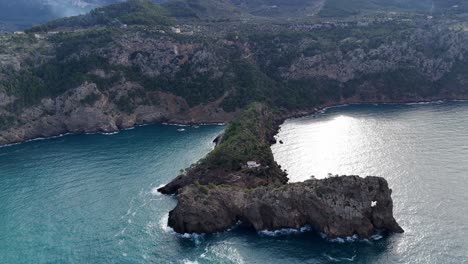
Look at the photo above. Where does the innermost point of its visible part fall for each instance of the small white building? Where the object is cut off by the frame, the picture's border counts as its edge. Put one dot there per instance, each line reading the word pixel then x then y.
pixel 176 30
pixel 252 164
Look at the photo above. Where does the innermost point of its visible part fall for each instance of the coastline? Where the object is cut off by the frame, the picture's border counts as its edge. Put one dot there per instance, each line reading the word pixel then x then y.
pixel 110 133
pixel 283 117
pixel 324 107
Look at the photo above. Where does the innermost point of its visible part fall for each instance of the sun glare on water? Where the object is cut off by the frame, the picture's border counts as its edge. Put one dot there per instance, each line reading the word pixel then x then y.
pixel 328 150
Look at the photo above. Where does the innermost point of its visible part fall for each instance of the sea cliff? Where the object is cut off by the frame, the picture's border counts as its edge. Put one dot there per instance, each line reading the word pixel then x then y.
pixel 225 188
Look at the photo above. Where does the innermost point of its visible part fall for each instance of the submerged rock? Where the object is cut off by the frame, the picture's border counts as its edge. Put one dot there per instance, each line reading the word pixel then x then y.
pixel 337 206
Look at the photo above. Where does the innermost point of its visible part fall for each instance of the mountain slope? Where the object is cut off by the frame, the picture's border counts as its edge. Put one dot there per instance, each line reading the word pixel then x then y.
pixel 103 76
pixel 17 15
pixel 338 8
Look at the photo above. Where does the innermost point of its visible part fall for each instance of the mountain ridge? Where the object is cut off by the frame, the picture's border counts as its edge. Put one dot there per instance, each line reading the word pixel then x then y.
pixel 22 14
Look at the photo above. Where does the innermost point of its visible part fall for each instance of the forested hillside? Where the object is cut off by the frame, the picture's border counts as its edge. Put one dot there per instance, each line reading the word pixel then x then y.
pixel 138 62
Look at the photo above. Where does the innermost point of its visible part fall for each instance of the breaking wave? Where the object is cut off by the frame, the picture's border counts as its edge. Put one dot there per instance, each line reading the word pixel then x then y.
pixel 285 231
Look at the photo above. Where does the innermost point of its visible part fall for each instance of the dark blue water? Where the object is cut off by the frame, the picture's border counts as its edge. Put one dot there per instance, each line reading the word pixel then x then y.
pixel 92 198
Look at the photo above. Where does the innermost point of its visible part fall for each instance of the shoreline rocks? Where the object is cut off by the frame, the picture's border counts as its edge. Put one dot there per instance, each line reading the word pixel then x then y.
pixel 337 206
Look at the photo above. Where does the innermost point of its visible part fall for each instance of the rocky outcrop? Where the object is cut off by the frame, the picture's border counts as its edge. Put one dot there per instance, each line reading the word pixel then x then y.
pixel 337 206
pixel 220 190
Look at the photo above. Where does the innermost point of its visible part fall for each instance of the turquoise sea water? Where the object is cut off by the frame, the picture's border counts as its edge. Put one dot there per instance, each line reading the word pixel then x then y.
pixel 92 198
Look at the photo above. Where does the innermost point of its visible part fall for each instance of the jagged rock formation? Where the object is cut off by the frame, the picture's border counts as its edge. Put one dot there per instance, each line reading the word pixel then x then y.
pixel 337 206
pixel 221 190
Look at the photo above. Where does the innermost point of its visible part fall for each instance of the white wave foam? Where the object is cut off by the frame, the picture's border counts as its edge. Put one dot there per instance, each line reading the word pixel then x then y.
pixel 222 253
pixel 196 238
pixel 350 259
pixel 154 190
pixel 351 239
pixel 9 145
pixel 109 133
pixel 35 139
pixel 175 124
pixel 213 124
pixel 339 239
pixel 121 232
pixel 163 224
pixel 331 258
pixel 186 261
pixel 426 102
pixel 339 259
pixel 285 231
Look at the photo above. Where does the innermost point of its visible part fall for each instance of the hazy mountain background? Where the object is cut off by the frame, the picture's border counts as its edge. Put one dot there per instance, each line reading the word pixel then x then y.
pixel 21 14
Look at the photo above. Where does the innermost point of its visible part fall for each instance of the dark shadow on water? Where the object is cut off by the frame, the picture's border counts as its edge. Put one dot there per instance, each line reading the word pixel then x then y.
pixel 298 247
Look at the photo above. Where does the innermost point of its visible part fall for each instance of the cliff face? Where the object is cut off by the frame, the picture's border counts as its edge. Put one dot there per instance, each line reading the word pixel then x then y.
pixel 86 109
pixel 337 206
pixel 417 52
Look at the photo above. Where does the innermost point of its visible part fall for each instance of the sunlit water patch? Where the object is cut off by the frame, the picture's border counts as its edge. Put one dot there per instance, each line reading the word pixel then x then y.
pixel 421 149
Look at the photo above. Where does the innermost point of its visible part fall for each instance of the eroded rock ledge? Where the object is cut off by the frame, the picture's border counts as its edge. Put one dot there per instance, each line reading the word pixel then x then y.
pixel 220 190
pixel 337 206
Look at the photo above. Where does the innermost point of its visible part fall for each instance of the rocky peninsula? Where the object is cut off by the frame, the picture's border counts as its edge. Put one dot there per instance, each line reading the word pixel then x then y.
pixel 224 188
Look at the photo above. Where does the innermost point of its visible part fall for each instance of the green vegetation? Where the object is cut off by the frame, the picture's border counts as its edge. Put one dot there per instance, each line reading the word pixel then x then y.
pixel 341 8
pixel 202 188
pixel 50 79
pixel 246 138
pixel 245 62
pixel 202 9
